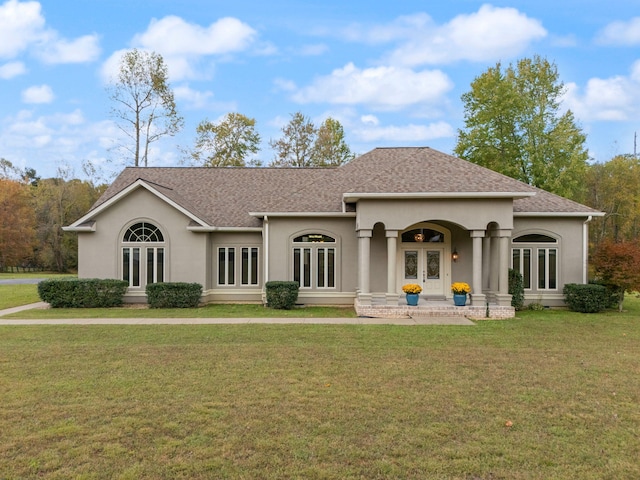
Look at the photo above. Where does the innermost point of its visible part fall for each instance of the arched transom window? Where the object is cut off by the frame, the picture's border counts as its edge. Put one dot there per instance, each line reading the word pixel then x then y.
pixel 143 255
pixel 143 232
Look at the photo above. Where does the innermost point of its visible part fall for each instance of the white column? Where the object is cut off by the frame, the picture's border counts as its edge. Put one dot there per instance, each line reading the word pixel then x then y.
pixel 477 295
pixel 486 262
pixel 364 260
pixel 392 242
pixel 505 236
pixel 502 295
pixel 494 253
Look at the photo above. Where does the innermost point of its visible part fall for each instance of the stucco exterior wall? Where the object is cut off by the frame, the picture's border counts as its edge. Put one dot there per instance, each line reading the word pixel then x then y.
pixel 282 230
pixel 99 252
pixel 571 260
pixel 216 293
pixel 471 214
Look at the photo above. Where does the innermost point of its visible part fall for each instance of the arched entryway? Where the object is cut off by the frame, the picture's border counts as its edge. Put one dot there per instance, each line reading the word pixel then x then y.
pixel 425 258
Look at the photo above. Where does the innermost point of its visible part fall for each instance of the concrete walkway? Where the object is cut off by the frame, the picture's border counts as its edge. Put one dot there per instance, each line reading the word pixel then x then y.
pixel 226 321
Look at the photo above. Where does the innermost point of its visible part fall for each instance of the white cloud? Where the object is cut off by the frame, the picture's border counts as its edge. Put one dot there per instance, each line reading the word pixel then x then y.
pixel 21 24
pixel 172 36
pixel 80 50
pixel 184 45
pixel 22 27
pixel 369 120
pixel 406 133
pixel 38 94
pixel 610 99
pixel 491 33
pixel 12 69
pixel 380 87
pixel 621 33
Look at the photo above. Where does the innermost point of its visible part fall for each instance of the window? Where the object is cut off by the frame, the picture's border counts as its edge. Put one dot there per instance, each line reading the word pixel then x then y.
pixel 246 264
pixel 314 262
pixel 521 262
pixel 537 262
pixel 419 235
pixel 143 262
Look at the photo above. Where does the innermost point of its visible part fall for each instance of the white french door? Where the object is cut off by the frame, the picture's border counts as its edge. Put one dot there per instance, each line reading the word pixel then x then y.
pixel 425 266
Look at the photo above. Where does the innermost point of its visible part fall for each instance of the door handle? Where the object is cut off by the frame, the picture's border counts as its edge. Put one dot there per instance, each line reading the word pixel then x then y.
pixel 424 277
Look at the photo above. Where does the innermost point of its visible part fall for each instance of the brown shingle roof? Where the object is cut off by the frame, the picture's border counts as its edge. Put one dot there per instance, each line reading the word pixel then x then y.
pixel 224 197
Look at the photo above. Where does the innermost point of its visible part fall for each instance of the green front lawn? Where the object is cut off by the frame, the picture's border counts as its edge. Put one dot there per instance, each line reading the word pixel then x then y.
pixel 547 395
pixel 16 295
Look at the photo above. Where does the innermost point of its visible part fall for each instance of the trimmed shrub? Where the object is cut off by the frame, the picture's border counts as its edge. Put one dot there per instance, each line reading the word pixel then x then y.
pixel 282 295
pixel 588 298
pixel 516 289
pixel 173 295
pixel 616 293
pixel 82 293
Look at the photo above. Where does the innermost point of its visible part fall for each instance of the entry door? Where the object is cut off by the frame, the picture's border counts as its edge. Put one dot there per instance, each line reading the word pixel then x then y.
pixel 432 273
pixel 425 267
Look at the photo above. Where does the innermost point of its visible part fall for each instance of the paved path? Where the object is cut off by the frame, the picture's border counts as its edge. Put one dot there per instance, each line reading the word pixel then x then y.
pixel 226 321
pixel 20 281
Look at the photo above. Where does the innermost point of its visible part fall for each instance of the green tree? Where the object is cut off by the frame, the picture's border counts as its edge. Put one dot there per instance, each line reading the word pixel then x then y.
pixel 145 108
pixel 613 187
pixel 228 143
pixel 294 148
pixel 513 125
pixel 330 148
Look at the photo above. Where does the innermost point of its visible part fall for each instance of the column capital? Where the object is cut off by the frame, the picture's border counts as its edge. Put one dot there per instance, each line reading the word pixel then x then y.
pixel 504 232
pixel 476 233
pixel 365 233
pixel 391 233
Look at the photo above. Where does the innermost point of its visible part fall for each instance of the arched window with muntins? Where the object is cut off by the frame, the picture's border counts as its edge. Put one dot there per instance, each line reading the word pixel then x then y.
pixel 143 232
pixel 314 260
pixel 143 263
pixel 535 256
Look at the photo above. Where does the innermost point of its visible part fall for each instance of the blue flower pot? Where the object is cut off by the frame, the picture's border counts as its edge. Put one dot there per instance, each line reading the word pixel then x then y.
pixel 412 299
pixel 459 299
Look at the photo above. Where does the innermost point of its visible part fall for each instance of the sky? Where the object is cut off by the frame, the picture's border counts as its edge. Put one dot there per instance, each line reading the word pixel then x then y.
pixel 391 72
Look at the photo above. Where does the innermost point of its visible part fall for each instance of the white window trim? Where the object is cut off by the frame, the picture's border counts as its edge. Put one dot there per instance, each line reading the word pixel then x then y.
pixel 314 248
pixel 237 266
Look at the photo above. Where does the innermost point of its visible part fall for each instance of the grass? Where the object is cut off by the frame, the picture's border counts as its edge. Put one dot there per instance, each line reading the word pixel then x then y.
pixel 325 401
pixel 207 311
pixel 29 275
pixel 16 295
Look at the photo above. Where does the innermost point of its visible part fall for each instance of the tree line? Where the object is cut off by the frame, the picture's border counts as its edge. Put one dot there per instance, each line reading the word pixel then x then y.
pixel 32 213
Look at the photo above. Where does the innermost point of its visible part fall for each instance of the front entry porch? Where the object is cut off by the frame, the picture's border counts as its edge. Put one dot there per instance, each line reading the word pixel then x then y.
pixel 381 307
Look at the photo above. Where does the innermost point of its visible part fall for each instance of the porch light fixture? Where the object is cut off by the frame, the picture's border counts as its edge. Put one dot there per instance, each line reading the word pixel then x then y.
pixel 419 237
pixel 454 255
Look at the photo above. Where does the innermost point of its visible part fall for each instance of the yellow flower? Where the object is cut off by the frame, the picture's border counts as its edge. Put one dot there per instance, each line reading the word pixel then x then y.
pixel 460 287
pixel 411 288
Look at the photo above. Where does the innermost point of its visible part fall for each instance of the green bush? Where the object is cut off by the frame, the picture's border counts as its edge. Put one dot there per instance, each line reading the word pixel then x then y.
pixel 516 289
pixel 588 298
pixel 82 293
pixel 282 295
pixel 174 295
pixel 616 293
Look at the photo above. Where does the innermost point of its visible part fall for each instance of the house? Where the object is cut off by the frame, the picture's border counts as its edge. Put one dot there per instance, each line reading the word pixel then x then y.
pixel 349 235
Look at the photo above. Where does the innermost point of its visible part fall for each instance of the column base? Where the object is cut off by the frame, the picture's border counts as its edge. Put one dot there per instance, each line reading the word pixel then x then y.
pixel 478 299
pixel 503 299
pixel 364 298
